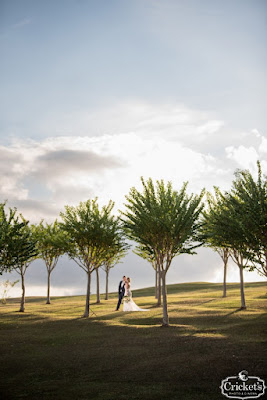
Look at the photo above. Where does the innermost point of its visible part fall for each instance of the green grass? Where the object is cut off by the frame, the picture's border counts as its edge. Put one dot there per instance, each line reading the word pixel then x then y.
pixel 50 352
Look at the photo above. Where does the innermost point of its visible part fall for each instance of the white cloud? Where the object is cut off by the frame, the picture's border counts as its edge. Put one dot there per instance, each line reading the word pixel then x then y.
pixel 105 166
pixel 263 145
pixel 245 157
pixel 169 120
pixel 130 140
pixel 40 177
pixel 256 132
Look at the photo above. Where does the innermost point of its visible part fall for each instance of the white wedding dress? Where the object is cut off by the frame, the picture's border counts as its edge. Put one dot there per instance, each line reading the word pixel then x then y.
pixel 128 303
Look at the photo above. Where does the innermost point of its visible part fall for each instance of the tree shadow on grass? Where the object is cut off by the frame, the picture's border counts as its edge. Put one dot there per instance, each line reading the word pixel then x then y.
pixel 204 302
pixel 233 312
pixel 18 317
pixel 80 354
pixel 192 302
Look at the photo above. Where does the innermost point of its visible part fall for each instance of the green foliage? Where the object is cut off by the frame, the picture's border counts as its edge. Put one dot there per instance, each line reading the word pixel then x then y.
pixel 238 219
pixel 146 253
pixel 51 242
pixel 162 221
pixel 94 236
pixel 17 244
pixel 248 199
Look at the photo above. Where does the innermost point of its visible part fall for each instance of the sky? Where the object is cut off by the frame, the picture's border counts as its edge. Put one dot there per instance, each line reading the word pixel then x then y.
pixel 96 94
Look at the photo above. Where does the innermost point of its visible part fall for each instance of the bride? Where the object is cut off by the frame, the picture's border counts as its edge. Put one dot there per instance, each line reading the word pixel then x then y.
pixel 128 303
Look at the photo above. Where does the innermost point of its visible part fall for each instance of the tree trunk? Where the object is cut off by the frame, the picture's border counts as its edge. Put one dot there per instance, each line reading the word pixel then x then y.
pixel 159 287
pixel 164 295
pixel 224 278
pixel 243 302
pixel 97 286
pixel 156 283
pixel 87 304
pixel 48 288
pixel 106 297
pixel 22 302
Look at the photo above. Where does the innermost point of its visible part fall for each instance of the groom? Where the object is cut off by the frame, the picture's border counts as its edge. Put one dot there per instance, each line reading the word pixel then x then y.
pixel 121 291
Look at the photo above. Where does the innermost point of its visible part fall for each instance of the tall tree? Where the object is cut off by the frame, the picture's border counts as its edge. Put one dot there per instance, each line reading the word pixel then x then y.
pixel 115 252
pixel 209 240
pixel 237 220
pixel 221 227
pixel 17 245
pixel 165 222
pixel 51 244
pixel 90 233
pixel 26 252
pixel 248 199
pixel 11 226
pixel 147 254
pixel 97 286
pixel 224 253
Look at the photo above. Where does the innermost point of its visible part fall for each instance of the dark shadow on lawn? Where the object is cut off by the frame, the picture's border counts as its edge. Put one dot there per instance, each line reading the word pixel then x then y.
pixel 21 317
pixel 86 358
pixel 233 312
pixel 192 302
pixel 204 302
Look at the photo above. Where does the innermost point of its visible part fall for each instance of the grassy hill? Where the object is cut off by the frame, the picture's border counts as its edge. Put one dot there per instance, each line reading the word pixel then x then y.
pixel 49 352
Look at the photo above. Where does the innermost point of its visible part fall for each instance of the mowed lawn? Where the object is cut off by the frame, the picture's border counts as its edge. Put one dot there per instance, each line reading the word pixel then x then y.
pixel 50 352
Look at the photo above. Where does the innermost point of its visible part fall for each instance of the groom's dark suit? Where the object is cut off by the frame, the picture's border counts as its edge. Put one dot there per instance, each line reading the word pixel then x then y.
pixel 121 293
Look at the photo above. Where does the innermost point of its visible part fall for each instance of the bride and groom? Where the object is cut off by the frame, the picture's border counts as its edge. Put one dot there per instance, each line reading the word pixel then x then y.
pixel 125 294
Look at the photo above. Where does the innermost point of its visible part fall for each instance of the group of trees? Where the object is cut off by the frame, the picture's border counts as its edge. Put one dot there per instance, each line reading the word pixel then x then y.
pixel 90 236
pixel 235 225
pixel 95 239
pixel 161 221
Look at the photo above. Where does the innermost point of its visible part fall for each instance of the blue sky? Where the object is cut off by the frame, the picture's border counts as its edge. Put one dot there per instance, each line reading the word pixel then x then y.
pixel 61 56
pixel 95 94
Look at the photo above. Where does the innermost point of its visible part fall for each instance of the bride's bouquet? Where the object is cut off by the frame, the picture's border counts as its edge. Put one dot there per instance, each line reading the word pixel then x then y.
pixel 126 299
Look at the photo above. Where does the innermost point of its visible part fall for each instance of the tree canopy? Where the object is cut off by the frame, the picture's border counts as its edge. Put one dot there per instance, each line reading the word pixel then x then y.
pixel 164 223
pixel 51 244
pixel 237 219
pixel 93 235
pixel 17 245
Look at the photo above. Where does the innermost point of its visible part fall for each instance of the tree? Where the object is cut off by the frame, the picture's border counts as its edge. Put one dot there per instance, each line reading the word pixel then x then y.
pixel 51 244
pixel 147 254
pixel 17 245
pixel 114 254
pixel 91 232
pixel 25 248
pixel 237 220
pixel 221 227
pixel 11 226
pixel 248 199
pixel 6 285
pixel 97 286
pixel 206 235
pixel 165 222
pixel 6 224
pixel 224 253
